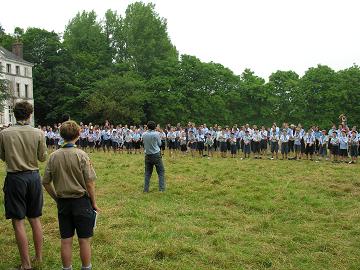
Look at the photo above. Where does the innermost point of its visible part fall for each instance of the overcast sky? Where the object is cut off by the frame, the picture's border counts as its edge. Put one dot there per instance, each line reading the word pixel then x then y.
pixel 263 35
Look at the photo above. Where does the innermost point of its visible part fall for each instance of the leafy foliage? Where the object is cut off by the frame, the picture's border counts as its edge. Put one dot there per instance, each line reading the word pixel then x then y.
pixel 4 93
pixel 125 69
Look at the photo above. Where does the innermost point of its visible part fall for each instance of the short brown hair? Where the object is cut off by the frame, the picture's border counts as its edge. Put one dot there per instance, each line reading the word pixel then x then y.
pixel 69 130
pixel 23 110
pixel 151 125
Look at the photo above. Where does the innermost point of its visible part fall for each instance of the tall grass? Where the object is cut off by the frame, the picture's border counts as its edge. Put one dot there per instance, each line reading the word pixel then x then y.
pixel 216 214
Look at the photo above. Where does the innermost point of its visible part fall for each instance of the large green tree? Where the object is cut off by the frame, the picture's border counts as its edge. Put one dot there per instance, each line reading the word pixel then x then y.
pixel 256 102
pixel 4 92
pixel 119 99
pixel 43 49
pixel 6 40
pixel 283 86
pixel 148 48
pixel 348 93
pixel 87 58
pixel 318 97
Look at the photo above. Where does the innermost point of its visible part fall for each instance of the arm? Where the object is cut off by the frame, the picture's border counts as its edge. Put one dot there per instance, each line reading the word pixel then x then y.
pixel 90 176
pixel 90 186
pixel 42 150
pixel 51 191
pixel 158 140
pixel 46 181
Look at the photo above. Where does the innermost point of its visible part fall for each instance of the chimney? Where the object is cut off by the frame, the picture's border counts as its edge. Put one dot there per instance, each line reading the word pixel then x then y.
pixel 17 49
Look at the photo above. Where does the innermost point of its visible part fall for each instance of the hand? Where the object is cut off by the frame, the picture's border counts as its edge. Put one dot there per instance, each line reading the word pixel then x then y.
pixel 96 208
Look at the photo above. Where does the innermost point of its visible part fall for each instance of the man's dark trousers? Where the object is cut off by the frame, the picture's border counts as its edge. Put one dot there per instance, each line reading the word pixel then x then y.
pixel 150 162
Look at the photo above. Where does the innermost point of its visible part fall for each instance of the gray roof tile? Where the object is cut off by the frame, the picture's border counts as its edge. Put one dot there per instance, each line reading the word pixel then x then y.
pixel 9 55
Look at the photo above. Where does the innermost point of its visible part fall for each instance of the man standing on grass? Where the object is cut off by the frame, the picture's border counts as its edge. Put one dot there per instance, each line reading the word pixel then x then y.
pixel 21 147
pixel 152 143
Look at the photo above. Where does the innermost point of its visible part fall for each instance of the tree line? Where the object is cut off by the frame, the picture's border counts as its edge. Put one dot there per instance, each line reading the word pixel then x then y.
pixel 126 69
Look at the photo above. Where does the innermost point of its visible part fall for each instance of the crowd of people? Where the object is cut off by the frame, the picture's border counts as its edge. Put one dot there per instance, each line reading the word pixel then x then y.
pixel 288 141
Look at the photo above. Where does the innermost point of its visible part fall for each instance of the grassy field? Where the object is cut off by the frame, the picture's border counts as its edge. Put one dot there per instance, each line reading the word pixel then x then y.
pixel 215 214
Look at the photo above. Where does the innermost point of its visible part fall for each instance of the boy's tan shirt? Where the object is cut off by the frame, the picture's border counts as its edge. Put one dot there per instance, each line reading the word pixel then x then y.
pixel 69 169
pixel 21 147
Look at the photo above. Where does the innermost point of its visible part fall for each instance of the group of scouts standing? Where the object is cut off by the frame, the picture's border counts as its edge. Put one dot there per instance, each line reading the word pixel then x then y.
pixel 339 143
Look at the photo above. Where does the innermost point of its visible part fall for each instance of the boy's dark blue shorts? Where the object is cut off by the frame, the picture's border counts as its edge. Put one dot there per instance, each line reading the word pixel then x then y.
pixel 335 150
pixel 76 214
pixel 23 195
pixel 274 147
pixel 354 151
pixel 247 148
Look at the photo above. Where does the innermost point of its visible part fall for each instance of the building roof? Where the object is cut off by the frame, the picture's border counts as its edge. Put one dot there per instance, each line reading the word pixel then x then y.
pixel 9 55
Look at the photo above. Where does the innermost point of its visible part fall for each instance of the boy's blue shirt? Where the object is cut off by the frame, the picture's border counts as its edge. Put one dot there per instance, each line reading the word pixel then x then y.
pixel 343 142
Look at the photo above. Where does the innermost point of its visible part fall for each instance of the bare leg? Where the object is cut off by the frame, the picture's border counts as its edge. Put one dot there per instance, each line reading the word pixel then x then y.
pixel 66 252
pixel 37 237
pixel 22 242
pixel 85 251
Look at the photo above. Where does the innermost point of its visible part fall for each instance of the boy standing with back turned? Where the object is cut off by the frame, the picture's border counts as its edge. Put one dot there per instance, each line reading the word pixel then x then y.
pixel 72 175
pixel 21 147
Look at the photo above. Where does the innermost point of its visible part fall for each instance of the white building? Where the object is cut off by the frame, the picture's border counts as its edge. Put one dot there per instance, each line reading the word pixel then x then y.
pixel 18 73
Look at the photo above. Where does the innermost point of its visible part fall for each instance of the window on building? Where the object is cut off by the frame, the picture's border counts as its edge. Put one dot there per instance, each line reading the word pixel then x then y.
pixel 17 70
pixel 10 114
pixel 25 71
pixel 2 118
pixel 18 89
pixel 26 91
pixel 8 68
pixel 11 87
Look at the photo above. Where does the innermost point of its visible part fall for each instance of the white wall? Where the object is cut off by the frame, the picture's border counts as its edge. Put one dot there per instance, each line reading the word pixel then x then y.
pixel 23 78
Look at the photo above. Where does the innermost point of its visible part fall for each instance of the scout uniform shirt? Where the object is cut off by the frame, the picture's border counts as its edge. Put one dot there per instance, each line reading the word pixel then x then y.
pixel 274 137
pixel 334 141
pixel 354 140
pixel 284 138
pixel 343 140
pixel 256 136
pixel 323 140
pixel 297 138
pixel 21 146
pixel 209 141
pixel 69 168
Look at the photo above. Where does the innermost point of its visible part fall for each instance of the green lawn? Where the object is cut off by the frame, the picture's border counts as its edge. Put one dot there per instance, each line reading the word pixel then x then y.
pixel 215 214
